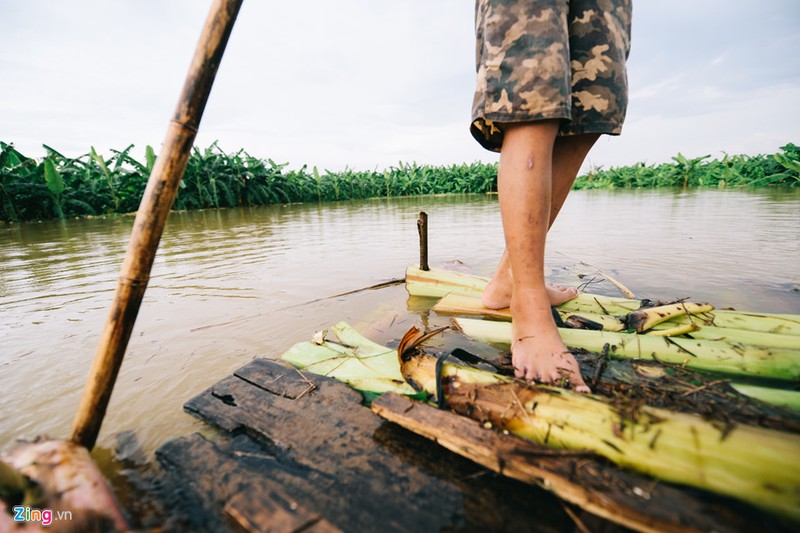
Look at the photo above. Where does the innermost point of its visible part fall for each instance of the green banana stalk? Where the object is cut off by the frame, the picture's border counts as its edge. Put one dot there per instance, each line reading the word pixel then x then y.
pixel 460 295
pixel 707 355
pixel 437 282
pixel 789 399
pixel 752 464
pixel 355 360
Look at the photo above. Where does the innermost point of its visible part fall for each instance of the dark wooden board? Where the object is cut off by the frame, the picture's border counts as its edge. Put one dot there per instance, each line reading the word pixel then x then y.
pixel 319 448
pixel 234 485
pixel 300 452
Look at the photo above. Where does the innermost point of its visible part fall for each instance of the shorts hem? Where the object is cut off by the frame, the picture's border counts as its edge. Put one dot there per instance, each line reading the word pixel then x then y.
pixel 606 128
pixel 494 141
pixel 559 113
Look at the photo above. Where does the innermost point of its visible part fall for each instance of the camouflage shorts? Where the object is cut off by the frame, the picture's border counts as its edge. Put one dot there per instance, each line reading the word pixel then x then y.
pixel 550 59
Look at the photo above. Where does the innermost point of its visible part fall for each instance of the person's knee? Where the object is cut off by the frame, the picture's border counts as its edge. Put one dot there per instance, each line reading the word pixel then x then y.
pixel 535 137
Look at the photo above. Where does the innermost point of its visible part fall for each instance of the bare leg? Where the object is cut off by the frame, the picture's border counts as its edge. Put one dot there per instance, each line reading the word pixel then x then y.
pixel 568 156
pixel 525 185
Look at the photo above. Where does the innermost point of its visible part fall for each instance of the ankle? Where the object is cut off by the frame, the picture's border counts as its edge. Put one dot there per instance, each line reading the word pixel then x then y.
pixel 525 300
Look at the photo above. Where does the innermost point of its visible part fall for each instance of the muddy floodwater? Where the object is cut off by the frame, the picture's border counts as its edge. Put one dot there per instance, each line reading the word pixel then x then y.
pixel 232 285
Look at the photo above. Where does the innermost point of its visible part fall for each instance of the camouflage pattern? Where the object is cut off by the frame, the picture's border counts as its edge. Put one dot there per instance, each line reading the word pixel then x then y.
pixel 550 59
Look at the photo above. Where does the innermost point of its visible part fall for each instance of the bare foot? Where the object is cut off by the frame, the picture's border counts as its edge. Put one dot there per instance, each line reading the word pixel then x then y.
pixel 537 351
pixel 497 294
pixel 558 294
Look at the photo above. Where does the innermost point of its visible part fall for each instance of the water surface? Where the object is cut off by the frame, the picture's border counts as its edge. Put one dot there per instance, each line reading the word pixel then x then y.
pixel 231 285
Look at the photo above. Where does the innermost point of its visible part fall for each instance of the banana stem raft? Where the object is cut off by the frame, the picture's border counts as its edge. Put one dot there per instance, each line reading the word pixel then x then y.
pixel 754 464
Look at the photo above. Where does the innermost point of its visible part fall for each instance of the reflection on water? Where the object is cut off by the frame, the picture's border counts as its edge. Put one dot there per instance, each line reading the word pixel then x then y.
pixel 245 271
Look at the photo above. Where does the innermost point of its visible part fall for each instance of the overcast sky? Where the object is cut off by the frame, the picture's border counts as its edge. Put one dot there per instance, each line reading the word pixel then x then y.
pixel 368 83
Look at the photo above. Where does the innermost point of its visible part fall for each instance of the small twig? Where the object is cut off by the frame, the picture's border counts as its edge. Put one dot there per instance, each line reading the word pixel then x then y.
pixel 154 354
pixel 601 364
pixel 343 345
pixel 627 292
pixel 311 387
pixel 239 453
pixel 651 487
pixel 381 285
pixel 585 285
pixel 517 401
pixel 701 387
pixel 551 452
pixel 605 311
pixel 476 475
pixel 681 348
pixel 231 321
pixel 578 522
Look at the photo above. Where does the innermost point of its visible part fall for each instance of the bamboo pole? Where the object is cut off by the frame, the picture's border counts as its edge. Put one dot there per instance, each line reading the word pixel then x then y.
pixel 150 220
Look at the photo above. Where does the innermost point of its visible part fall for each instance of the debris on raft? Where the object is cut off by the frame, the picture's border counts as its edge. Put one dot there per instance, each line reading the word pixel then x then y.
pixel 299 450
pixel 662 440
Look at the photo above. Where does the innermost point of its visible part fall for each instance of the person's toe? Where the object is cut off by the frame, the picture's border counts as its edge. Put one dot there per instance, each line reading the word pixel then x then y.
pixel 531 374
pixel 578 385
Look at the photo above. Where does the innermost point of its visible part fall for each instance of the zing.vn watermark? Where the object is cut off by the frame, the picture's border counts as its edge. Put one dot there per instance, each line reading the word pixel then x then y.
pixel 45 516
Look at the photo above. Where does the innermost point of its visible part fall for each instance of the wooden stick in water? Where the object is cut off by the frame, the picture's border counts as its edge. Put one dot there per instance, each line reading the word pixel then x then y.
pixel 150 221
pixel 422 227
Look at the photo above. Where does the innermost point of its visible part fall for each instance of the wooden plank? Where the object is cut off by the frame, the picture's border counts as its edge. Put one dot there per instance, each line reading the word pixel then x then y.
pixel 284 381
pixel 624 497
pixel 325 452
pixel 234 485
pixel 335 457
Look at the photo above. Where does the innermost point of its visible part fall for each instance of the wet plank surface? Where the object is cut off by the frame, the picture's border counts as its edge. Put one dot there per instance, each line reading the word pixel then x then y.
pixel 299 452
